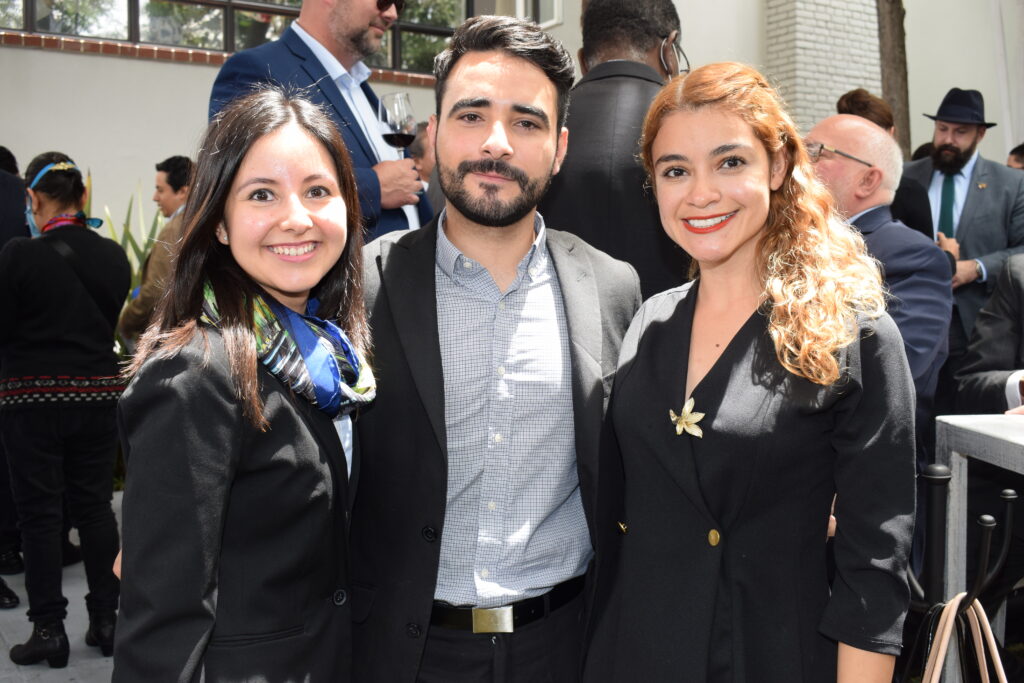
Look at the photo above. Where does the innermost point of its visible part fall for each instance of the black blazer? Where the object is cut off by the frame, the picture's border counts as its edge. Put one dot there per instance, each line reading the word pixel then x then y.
pixel 398 516
pixel 235 566
pixel 600 192
pixel 997 345
pixel 723 573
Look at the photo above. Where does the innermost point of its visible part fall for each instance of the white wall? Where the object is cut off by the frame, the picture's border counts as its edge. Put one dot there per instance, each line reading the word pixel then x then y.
pixel 977 45
pixel 114 116
pixel 726 30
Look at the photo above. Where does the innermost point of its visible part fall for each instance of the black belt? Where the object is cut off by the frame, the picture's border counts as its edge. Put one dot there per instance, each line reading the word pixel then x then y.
pixel 508 618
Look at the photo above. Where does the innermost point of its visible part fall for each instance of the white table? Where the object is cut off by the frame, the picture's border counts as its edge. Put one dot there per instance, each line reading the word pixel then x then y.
pixel 995 439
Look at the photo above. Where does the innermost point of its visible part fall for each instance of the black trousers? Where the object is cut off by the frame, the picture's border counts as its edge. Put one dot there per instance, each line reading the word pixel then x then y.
pixel 10 537
pixel 55 451
pixel 545 651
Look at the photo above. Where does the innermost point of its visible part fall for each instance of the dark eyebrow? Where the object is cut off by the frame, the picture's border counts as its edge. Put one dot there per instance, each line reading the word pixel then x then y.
pixel 258 181
pixel 725 149
pixel 666 158
pixel 531 111
pixel 470 103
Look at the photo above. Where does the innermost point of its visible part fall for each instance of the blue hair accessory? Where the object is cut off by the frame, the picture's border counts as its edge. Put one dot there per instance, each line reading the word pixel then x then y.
pixel 56 166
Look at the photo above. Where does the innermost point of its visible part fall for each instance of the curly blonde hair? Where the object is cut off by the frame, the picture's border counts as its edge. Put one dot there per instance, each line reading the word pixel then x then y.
pixel 817 275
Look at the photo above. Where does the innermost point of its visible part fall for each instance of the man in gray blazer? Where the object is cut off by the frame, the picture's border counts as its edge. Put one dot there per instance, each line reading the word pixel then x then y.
pixel 978 215
pixel 495 340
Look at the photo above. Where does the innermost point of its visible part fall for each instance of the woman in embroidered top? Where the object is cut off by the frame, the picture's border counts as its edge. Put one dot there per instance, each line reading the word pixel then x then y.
pixel 60 293
pixel 236 500
pixel 744 401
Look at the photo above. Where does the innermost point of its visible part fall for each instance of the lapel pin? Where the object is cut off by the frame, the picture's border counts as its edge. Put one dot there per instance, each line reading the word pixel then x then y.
pixel 687 421
pixel 982 186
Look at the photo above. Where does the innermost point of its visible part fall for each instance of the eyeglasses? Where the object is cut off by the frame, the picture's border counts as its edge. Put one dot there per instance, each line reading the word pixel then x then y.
pixel 680 56
pixel 382 5
pixel 814 150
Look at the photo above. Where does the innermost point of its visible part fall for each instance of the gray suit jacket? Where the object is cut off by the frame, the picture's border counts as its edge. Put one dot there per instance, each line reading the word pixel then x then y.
pixel 997 346
pixel 991 226
pixel 398 516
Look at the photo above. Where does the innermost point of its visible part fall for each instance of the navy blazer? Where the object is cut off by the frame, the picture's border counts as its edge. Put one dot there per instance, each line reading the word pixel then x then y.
pixel 920 302
pixel 290 62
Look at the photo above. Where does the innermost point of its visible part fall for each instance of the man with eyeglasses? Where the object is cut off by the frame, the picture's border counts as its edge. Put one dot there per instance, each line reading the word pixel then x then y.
pixel 861 164
pixel 630 49
pixel 322 51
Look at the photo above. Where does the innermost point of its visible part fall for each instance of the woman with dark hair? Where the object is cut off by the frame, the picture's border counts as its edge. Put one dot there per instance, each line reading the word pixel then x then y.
pixel 60 294
pixel 746 402
pixel 236 499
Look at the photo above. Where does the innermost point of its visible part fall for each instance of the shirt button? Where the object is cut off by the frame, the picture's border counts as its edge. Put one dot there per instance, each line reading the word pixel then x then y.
pixel 501 305
pixel 484 573
pixel 497 438
pixel 340 596
pixel 429 534
pixel 467 264
pixel 492 506
pixel 501 371
pixel 714 538
pixel 413 630
pixel 533 271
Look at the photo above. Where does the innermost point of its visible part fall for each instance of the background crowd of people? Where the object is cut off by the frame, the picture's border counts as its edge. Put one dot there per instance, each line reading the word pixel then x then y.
pixel 635 340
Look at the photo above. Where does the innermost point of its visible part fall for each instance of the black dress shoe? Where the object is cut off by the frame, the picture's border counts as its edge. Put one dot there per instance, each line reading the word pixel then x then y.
pixel 8 598
pixel 48 642
pixel 11 563
pixel 101 632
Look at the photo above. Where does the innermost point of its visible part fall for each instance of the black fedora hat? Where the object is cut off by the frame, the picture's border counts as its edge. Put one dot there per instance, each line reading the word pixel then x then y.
pixel 962 106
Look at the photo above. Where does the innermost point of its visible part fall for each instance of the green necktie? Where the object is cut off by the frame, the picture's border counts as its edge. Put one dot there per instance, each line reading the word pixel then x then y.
pixel 946 208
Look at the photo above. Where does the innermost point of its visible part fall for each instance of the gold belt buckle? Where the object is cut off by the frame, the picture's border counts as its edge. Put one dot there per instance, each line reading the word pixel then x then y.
pixel 492 620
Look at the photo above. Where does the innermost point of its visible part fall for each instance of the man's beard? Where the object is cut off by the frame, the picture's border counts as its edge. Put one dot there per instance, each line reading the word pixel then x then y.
pixel 360 42
pixel 488 210
pixel 956 160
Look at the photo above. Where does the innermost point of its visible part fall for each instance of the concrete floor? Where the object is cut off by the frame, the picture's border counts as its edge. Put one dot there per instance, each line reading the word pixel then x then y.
pixel 86 664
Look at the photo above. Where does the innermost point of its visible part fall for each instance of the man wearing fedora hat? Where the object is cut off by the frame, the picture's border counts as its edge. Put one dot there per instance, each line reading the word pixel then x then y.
pixel 977 211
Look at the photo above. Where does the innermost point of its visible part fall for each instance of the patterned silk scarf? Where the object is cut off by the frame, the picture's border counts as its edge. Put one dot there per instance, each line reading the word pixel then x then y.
pixel 313 357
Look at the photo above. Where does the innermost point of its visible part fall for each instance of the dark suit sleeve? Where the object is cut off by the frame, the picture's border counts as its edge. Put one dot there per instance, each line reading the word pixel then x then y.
pixel 873 440
pixel 180 427
pixel 922 302
pixel 992 355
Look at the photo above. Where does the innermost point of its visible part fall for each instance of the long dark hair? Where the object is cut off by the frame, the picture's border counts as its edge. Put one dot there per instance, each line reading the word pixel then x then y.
pixel 201 258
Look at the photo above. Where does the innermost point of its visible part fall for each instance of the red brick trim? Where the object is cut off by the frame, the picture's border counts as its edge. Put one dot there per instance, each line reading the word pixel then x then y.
pixel 120 48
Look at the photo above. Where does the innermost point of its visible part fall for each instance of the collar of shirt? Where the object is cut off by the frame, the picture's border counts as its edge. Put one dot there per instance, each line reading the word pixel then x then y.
pixel 177 211
pixel 345 78
pixel 448 256
pixel 961 185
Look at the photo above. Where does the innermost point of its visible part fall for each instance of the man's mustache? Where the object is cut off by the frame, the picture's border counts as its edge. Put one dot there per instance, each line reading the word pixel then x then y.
pixel 494 167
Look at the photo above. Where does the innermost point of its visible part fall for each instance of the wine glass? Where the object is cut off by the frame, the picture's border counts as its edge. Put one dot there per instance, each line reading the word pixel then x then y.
pixel 395 113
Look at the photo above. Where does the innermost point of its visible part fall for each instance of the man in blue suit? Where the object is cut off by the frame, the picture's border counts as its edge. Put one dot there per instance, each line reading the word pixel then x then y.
pixel 862 165
pixel 322 51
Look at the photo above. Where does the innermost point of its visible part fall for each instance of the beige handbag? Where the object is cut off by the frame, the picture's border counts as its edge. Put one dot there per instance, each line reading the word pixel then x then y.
pixel 981 634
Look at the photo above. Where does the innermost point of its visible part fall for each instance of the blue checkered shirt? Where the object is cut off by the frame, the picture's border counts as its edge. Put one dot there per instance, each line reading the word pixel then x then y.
pixel 514 523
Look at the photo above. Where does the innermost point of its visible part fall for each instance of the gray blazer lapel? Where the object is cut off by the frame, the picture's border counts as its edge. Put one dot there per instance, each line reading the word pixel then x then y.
pixel 975 196
pixel 584 320
pixel 408 280
pixel 921 171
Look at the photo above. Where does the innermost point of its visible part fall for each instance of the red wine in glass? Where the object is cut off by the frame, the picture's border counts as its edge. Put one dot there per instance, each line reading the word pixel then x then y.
pixel 399 140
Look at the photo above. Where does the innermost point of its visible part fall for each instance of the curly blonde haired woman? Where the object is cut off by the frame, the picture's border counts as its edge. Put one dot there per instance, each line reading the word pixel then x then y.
pixel 744 402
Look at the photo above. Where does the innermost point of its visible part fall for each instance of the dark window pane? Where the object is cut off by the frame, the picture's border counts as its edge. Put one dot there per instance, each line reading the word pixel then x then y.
pixel 382 58
pixel 11 14
pixel 174 23
pixel 286 3
pixel 94 18
pixel 256 28
pixel 440 13
pixel 419 49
